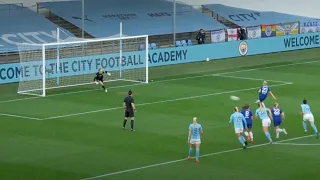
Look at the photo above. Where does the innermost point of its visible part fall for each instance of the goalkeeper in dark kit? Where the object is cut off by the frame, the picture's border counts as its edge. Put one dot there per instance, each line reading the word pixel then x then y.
pixel 98 79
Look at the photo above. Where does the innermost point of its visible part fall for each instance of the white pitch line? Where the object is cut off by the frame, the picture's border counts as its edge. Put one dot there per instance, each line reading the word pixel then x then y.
pixel 167 80
pixel 298 144
pixel 158 102
pixel 180 160
pixel 269 67
pixel 68 93
pixel 18 116
pixel 254 79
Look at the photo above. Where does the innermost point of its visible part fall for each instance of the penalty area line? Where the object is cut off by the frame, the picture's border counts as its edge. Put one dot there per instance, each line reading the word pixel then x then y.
pixel 298 144
pixel 253 79
pixel 18 116
pixel 185 159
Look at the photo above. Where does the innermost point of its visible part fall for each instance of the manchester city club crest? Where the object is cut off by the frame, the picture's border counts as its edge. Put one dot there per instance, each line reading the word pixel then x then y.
pixel 243 48
pixel 218 37
pixel 254 34
pixel 268 30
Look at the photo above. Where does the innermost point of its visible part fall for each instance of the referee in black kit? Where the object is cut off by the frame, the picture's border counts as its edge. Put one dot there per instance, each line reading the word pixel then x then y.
pixel 129 109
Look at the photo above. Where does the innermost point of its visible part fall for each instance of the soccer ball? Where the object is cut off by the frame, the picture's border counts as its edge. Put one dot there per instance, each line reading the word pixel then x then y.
pixel 234 98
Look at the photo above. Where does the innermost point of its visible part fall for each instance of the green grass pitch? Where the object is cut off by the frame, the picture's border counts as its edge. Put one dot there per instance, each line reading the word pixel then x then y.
pixel 76 134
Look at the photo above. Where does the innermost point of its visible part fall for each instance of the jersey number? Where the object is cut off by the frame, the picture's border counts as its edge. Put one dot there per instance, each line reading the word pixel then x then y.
pixel 195 131
pixel 247 113
pixel 264 90
pixel 276 112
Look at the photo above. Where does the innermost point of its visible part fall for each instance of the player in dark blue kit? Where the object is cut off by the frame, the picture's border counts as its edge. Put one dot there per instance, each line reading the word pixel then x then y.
pixel 263 93
pixel 278 117
pixel 248 115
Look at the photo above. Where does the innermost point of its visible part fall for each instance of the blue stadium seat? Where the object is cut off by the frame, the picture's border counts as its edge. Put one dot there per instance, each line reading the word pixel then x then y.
pixel 153 46
pixel 16 19
pixel 141 47
pixel 152 17
pixel 189 42
pixel 264 17
pixel 178 44
pixel 184 43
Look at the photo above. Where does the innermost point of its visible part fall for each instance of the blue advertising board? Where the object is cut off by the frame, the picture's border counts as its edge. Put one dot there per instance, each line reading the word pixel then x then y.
pixel 160 57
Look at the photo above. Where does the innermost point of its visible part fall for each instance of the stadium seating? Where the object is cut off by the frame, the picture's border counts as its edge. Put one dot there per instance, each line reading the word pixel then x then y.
pixel 245 17
pixel 153 46
pixel 184 43
pixel 178 44
pixel 151 17
pixel 21 25
pixel 189 42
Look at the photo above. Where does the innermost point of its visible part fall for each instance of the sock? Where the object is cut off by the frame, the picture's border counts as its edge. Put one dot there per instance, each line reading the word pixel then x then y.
pixel 258 101
pixel 314 128
pixel 197 154
pixel 251 135
pixel 268 136
pixel 246 133
pixel 278 133
pixel 124 123
pixel 304 125
pixel 103 87
pixel 132 122
pixel 279 130
pixel 241 141
pixel 190 152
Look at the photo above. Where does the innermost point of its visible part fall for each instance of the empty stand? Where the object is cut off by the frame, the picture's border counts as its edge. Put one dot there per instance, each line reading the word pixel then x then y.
pixel 245 17
pixel 152 17
pixel 21 25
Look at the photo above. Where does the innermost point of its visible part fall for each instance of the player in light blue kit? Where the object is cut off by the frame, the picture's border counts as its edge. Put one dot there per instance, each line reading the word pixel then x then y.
pixel 194 138
pixel 278 117
pixel 308 116
pixel 265 116
pixel 263 93
pixel 247 113
pixel 239 123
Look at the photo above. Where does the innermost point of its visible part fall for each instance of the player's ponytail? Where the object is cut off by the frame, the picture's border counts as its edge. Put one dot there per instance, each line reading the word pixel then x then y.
pixel 236 109
pixel 276 105
pixel 195 122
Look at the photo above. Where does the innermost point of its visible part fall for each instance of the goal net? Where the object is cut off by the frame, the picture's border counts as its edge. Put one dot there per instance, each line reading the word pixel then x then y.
pixel 67 64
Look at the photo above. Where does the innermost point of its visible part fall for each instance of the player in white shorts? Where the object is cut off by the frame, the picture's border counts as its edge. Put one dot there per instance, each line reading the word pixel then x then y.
pixel 264 115
pixel 194 138
pixel 239 123
pixel 308 116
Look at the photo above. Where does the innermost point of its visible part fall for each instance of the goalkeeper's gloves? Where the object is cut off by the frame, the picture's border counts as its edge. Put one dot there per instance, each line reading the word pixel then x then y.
pixel 109 74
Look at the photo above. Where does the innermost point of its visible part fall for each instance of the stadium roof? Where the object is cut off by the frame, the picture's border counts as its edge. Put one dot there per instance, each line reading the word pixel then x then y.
pixel 295 7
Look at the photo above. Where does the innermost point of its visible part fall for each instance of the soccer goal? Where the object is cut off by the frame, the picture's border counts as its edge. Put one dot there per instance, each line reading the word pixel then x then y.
pixel 74 63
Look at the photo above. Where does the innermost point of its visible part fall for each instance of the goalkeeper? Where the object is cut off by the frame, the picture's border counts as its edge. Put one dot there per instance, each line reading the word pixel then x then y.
pixel 98 79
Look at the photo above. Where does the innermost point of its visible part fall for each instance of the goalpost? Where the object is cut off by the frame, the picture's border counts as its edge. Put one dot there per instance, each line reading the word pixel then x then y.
pixel 74 63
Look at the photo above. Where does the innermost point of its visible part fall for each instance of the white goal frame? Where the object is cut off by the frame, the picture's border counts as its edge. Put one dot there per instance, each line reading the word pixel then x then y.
pixel 84 41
